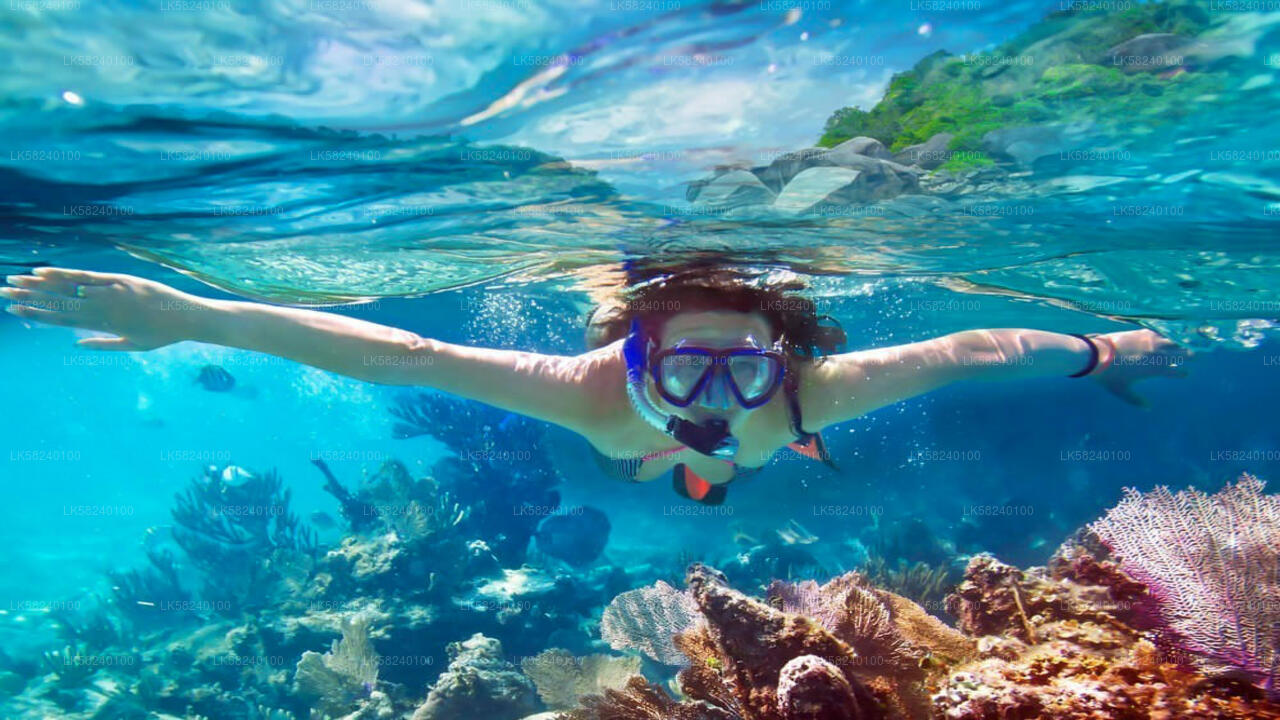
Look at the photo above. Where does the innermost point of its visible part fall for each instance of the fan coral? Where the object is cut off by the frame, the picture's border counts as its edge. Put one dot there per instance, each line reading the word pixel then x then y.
pixel 647 619
pixel 562 678
pixel 343 677
pixel 1212 563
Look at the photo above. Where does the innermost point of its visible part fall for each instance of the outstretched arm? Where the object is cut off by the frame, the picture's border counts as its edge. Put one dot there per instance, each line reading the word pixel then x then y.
pixel 143 315
pixel 853 384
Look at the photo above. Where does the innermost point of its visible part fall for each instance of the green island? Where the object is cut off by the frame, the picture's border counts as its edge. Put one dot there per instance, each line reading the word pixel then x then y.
pixel 1063 69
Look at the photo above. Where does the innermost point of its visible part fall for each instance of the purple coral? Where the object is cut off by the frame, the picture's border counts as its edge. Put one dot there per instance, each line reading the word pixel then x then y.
pixel 1212 563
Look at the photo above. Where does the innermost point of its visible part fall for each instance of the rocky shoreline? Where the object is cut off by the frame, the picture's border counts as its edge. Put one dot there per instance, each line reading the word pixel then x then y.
pixel 1077 86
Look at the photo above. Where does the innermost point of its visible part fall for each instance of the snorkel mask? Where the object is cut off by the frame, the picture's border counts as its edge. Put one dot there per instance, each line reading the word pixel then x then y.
pixel 683 372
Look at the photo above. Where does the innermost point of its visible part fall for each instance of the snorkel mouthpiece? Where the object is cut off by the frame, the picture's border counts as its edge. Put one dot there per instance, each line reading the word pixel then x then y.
pixel 709 438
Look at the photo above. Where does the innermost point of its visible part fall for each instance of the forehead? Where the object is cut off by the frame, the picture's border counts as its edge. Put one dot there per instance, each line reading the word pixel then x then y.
pixel 716 327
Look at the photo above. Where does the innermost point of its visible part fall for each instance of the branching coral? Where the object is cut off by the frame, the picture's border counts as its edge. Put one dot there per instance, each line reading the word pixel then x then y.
pixel 500 466
pixel 73 665
pixel 143 597
pixel 1212 563
pixel 233 531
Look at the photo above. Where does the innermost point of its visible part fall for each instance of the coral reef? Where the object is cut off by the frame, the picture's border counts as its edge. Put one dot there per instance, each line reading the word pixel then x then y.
pixel 478 684
pixel 1212 565
pixel 1056 646
pixel 1079 638
pixel 508 451
pixel 780 659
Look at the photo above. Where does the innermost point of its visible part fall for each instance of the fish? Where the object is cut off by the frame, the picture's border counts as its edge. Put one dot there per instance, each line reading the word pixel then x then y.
pixel 795 534
pixel 576 536
pixel 215 378
pixel 323 520
pixel 235 476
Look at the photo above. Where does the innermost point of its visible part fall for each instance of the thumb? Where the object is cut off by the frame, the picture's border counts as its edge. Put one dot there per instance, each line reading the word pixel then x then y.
pixel 1124 390
pixel 106 343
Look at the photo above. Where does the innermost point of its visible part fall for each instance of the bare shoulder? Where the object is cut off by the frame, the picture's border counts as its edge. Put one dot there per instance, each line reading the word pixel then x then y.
pixel 829 390
pixel 604 377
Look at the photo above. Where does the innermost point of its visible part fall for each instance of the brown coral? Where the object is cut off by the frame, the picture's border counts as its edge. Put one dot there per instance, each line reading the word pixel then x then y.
pixel 1057 646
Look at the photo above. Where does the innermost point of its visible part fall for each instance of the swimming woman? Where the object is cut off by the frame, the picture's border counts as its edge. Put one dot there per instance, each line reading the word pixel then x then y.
pixel 701 374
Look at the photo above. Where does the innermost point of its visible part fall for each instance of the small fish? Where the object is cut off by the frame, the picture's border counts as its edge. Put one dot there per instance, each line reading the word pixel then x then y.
pixel 235 476
pixel 507 421
pixel 323 520
pixel 795 534
pixel 215 378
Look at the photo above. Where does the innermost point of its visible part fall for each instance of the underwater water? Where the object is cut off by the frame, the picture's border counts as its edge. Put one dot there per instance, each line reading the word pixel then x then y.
pixel 190 530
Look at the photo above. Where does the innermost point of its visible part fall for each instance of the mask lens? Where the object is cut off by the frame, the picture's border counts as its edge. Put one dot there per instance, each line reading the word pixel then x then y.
pixel 755 375
pixel 680 373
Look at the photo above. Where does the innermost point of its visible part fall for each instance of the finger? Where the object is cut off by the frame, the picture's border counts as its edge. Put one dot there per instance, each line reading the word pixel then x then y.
pixel 45 316
pixel 84 277
pixel 106 343
pixel 26 281
pixel 42 300
pixel 67 282
pixel 1125 392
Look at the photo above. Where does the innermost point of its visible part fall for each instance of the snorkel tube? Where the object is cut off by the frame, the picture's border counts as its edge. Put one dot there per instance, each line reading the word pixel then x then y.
pixel 710 438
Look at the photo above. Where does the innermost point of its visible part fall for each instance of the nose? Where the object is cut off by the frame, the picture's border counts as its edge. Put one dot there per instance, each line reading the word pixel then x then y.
pixel 716 396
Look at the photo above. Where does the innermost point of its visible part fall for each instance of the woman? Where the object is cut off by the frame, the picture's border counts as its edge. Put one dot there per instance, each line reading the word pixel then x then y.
pixel 701 374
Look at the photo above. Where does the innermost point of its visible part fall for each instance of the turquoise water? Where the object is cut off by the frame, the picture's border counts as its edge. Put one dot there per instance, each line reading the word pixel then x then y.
pixel 481 172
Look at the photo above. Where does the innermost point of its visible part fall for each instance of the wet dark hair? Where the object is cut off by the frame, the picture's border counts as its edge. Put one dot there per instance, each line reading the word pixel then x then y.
pixel 805 334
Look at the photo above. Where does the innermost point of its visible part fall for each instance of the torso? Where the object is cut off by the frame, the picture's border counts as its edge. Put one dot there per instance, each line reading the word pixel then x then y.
pixel 624 434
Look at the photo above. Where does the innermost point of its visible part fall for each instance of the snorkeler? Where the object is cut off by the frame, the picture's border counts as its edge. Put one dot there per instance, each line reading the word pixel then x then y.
pixel 700 374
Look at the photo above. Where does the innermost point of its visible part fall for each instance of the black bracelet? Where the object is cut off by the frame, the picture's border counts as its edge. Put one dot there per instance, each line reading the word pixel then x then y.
pixel 1093 356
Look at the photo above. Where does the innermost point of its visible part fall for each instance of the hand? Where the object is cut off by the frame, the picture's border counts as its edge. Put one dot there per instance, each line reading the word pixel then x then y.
pixel 141 314
pixel 1141 354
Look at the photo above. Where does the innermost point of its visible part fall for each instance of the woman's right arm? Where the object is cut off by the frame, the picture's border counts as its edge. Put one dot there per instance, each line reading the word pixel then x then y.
pixel 143 314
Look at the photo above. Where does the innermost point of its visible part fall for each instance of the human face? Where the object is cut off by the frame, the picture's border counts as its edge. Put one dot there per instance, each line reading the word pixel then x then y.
pixel 718 330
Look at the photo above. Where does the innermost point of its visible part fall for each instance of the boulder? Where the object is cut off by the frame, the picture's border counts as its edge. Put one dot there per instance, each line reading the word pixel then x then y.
pixel 878 179
pixel 1153 52
pixel 812 188
pixel 733 189
pixel 1025 144
pixel 929 154
pixel 786 166
pixel 870 147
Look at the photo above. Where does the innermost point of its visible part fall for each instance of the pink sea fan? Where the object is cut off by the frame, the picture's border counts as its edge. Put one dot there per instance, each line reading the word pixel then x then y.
pixel 1212 563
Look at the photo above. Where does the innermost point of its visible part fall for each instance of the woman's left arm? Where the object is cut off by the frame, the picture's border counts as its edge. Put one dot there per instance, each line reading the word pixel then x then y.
pixel 852 384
